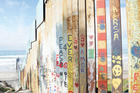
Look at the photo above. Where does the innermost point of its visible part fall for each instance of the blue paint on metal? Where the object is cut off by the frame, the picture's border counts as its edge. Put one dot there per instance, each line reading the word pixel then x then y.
pixel 82 60
pixel 102 26
pixel 103 91
pixel 102 57
pixel 135 50
pixel 136 66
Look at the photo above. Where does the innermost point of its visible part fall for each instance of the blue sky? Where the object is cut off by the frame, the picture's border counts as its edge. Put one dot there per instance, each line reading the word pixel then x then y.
pixel 16 23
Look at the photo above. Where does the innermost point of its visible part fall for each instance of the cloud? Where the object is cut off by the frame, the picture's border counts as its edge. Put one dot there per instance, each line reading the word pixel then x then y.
pixel 25 5
pixel 16 24
pixel 15 3
pixel 12 3
pixel 1 10
pixel 14 40
pixel 15 29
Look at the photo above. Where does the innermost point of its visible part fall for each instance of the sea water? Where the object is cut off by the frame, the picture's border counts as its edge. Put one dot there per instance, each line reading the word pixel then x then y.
pixel 8 64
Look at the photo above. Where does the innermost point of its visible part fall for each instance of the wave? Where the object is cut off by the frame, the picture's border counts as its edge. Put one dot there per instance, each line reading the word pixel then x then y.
pixel 13 52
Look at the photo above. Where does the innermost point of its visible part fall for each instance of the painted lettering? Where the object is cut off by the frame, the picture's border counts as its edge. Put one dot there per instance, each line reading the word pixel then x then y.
pixel 69 37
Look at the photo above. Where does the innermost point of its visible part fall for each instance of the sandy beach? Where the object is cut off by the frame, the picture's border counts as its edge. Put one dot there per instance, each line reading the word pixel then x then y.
pixel 8 76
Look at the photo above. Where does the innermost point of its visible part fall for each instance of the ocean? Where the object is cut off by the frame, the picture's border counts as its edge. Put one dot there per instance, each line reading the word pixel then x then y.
pixel 8 64
pixel 13 52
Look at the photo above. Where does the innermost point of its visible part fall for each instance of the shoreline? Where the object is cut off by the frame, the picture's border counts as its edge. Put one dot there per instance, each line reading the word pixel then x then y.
pixel 8 76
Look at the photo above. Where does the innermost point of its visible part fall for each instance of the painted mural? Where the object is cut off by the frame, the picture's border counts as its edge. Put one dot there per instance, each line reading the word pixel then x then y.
pixel 75 41
pixel 82 47
pixel 116 43
pixel 69 46
pixel 91 46
pixel 133 16
pixel 102 46
pixel 65 57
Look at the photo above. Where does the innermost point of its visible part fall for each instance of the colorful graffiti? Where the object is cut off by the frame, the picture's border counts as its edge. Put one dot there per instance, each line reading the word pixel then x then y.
pixel 65 78
pixel 91 71
pixel 82 47
pixel 102 46
pixel 69 47
pixel 75 40
pixel 116 43
pixel 65 49
pixel 133 15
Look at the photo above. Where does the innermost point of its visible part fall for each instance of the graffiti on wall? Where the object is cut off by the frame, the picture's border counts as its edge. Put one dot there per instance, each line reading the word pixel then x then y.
pixel 117 80
pixel 91 66
pixel 102 47
pixel 133 9
pixel 82 47
pixel 70 63
pixel 75 47
pixel 65 78
pixel 69 47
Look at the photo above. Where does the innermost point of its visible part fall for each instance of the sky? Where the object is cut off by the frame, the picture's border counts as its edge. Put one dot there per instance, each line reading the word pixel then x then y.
pixel 16 23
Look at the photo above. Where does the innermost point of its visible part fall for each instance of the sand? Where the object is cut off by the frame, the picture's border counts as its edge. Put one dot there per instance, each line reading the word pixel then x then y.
pixel 7 76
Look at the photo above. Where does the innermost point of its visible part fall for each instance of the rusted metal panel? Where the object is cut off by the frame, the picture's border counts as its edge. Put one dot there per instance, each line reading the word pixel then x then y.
pixel 49 58
pixel 102 46
pixel 75 40
pixel 38 60
pixel 40 69
pixel 54 48
pixel 91 64
pixel 116 43
pixel 82 47
pixel 65 59
pixel 33 69
pixel 21 78
pixel 46 58
pixel 133 24
pixel 70 46
pixel 59 37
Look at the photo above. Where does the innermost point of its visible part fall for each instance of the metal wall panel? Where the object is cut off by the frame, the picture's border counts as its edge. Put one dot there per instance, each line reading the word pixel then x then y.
pixel 133 24
pixel 116 44
pixel 102 46
pixel 91 35
pixel 82 47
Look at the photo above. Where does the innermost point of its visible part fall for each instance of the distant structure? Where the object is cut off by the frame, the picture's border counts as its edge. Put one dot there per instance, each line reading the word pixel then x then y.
pixel 17 64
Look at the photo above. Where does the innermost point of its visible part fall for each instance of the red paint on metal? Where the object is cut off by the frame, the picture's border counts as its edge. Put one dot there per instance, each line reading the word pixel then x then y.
pixel 100 4
pixel 100 51
pixel 101 36
pixel 101 19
